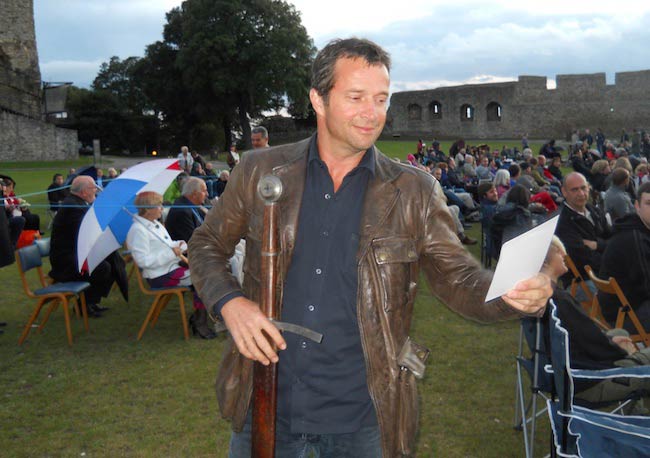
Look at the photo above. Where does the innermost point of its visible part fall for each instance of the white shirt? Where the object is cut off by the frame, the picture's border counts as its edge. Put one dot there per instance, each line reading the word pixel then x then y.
pixel 186 162
pixel 151 247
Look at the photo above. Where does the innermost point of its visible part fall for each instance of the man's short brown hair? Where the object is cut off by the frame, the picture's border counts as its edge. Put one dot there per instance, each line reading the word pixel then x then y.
pixel 322 70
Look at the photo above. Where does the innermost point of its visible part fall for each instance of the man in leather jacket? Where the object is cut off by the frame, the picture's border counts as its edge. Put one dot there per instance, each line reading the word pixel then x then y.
pixel 360 293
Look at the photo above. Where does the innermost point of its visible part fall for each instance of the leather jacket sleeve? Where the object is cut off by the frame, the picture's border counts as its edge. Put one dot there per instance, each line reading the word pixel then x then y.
pixel 453 274
pixel 213 243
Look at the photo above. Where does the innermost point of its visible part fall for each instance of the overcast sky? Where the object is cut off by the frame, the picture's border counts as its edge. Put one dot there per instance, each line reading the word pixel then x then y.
pixel 432 43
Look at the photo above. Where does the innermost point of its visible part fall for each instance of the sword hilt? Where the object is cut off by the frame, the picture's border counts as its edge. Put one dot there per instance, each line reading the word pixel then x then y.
pixel 317 337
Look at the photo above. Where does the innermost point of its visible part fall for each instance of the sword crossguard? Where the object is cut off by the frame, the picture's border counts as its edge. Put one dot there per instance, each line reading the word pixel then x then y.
pixel 317 337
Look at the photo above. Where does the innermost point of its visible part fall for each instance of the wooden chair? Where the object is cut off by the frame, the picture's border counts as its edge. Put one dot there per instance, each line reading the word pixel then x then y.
pixel 578 281
pixel 29 258
pixel 162 296
pixel 611 286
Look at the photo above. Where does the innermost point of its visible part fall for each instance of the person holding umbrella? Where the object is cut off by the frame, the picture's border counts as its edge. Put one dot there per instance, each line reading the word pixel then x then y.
pixel 161 258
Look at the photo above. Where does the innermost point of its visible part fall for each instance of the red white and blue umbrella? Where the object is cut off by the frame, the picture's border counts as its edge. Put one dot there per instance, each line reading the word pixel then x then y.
pixel 106 224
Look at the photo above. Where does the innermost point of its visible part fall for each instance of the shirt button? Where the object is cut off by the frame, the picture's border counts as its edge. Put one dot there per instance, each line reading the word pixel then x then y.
pixel 318 271
pixel 310 308
pixel 303 344
pixel 328 197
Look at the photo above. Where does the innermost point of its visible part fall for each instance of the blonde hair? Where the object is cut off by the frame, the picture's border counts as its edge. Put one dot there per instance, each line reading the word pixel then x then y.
pixel 599 166
pixel 146 200
pixel 623 163
pixel 556 244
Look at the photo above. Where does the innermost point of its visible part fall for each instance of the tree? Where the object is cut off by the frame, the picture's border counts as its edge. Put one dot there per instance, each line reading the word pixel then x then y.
pixel 239 58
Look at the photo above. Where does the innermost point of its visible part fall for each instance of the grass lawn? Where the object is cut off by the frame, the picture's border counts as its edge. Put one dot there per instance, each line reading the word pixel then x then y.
pixel 110 396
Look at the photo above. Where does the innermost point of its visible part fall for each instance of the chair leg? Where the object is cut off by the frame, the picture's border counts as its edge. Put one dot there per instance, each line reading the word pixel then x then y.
pixel 81 299
pixel 148 318
pixel 51 308
pixel 32 318
pixel 164 300
pixel 66 314
pixel 181 303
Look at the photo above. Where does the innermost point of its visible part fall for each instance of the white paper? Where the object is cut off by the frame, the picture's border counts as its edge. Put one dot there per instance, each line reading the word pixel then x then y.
pixel 521 258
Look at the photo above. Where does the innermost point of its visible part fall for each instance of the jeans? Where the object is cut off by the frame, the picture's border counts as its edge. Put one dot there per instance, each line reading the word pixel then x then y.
pixel 365 443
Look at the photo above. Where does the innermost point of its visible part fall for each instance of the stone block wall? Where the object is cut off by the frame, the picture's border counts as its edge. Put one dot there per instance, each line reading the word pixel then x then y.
pixel 25 139
pixel 524 106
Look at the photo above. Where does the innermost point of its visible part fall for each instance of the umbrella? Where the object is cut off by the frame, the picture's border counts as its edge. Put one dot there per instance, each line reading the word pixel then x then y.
pixel 88 170
pixel 106 224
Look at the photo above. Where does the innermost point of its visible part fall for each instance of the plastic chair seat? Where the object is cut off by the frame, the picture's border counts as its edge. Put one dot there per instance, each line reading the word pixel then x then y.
pixel 69 287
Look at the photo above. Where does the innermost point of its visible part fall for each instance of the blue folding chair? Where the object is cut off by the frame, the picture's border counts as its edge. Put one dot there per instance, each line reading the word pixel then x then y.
pixel 540 383
pixel 580 431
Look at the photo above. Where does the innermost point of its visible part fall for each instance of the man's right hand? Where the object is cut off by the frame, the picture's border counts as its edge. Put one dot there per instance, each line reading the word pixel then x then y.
pixel 248 325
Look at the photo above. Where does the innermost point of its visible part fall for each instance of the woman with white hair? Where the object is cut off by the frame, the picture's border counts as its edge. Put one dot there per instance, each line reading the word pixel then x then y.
pixel 161 258
pixel 502 181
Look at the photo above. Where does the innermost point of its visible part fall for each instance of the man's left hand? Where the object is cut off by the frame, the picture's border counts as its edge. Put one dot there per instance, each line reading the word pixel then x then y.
pixel 530 296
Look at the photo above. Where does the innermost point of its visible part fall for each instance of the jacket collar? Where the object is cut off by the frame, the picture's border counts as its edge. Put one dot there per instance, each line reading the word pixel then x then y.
pixel 380 198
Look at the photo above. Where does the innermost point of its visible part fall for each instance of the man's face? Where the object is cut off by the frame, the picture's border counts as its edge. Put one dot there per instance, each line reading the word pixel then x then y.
pixel 438 174
pixel 259 141
pixel 485 161
pixel 59 180
pixel 492 195
pixel 542 160
pixel 355 112
pixel 576 191
pixel 643 208
pixel 198 197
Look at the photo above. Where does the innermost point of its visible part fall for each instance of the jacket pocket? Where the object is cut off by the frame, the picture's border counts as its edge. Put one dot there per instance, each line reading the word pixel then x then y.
pixel 395 258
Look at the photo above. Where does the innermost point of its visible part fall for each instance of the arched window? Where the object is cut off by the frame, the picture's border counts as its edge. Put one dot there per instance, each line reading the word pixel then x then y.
pixel 435 110
pixel 415 112
pixel 467 112
pixel 493 110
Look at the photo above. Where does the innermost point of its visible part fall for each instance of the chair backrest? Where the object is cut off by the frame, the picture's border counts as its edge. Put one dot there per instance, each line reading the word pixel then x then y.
pixel 611 286
pixel 28 258
pixel 578 281
pixel 559 341
pixel 43 245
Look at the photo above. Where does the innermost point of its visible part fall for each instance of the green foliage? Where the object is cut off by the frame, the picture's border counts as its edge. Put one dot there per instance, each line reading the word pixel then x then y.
pixel 241 57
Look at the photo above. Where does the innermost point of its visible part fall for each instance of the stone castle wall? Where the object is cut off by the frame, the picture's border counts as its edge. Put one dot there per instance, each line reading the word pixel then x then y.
pixel 508 110
pixel 24 135
pixel 25 139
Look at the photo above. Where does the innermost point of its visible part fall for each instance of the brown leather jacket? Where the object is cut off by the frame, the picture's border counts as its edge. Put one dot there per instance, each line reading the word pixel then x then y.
pixel 405 226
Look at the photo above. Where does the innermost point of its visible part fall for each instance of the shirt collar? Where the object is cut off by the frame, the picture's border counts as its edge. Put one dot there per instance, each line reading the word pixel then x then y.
pixel 367 161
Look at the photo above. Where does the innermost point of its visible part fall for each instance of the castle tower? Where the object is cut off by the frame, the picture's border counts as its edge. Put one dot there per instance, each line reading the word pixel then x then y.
pixel 20 77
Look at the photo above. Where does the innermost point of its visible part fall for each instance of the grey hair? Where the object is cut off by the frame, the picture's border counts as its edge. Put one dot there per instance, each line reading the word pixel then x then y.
pixel 260 130
pixel 192 184
pixel 322 70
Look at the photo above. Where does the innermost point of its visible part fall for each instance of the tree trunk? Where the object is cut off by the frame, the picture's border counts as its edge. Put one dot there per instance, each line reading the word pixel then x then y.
pixel 244 122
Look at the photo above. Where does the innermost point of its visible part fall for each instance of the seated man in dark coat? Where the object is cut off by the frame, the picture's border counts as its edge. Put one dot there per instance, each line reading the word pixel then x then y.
pixel 582 227
pixel 63 248
pixel 187 213
pixel 627 259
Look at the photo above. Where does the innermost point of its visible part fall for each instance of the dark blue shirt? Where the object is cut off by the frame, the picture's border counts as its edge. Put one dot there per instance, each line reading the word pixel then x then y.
pixel 322 387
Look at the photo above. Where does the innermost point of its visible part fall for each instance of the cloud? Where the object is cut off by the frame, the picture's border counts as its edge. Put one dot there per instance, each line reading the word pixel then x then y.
pixel 431 41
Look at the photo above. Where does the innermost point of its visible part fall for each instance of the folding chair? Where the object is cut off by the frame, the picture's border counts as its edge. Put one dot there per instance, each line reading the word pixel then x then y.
pixel 28 258
pixel 162 296
pixel 578 281
pixel 526 407
pixel 577 429
pixel 611 286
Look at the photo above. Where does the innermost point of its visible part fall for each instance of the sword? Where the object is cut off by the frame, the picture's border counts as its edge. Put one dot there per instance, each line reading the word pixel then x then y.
pixel 265 378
